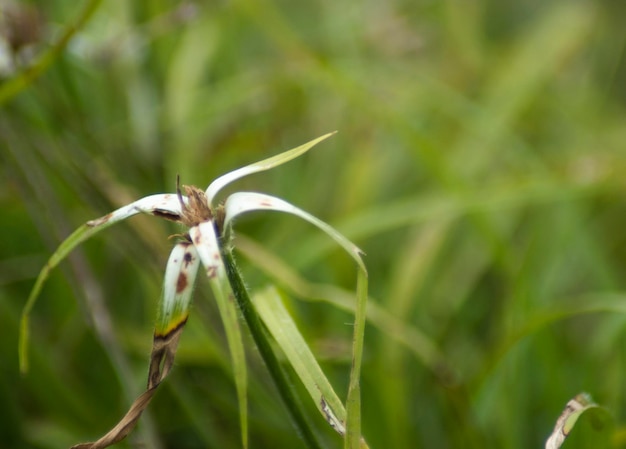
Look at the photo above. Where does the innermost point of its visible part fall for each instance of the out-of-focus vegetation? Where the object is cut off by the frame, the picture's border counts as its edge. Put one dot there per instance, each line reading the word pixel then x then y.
pixel 480 163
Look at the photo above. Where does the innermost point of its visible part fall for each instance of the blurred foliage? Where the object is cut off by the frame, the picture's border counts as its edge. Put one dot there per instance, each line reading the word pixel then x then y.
pixel 480 163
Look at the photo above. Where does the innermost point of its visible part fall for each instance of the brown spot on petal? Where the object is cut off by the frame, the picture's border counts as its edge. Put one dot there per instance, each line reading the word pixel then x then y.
pixel 181 282
pixel 166 214
pixel 211 271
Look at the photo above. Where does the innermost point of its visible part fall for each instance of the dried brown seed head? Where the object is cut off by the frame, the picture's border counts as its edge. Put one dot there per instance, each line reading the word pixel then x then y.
pixel 197 209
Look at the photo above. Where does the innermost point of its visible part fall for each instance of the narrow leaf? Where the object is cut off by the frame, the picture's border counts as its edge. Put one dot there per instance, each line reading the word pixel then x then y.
pixel 282 327
pixel 565 423
pixel 353 407
pixel 204 238
pixel 404 333
pixel 263 344
pixel 263 165
pixel 163 205
pixel 241 202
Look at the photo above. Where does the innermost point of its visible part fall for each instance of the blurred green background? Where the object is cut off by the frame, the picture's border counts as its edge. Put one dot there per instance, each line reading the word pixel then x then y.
pixel 480 163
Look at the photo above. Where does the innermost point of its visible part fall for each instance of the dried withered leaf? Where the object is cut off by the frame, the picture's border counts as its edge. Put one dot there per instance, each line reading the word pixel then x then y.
pixel 161 361
pixel 126 424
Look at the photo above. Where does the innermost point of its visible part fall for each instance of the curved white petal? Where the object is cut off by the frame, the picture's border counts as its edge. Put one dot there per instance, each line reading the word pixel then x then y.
pixel 165 205
pixel 178 283
pixel 204 238
pixel 241 202
pixel 263 165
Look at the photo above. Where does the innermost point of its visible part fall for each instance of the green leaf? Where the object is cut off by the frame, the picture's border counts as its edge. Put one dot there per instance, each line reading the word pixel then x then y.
pixel 263 165
pixel 242 202
pixel 272 311
pixel 205 240
pixel 404 333
pixel 262 340
pixel 162 205
pixel 353 419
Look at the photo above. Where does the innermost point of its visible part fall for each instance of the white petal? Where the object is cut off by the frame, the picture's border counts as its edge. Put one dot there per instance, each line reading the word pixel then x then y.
pixel 180 277
pixel 204 238
pixel 241 202
pixel 263 165
pixel 165 205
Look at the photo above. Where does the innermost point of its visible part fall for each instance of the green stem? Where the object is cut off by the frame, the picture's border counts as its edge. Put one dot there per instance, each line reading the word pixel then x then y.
pixel 261 338
pixel 353 407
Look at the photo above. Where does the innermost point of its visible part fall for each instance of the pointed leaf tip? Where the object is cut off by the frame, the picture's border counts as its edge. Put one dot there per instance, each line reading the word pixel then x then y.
pixel 241 202
pixel 163 205
pixel 574 408
pixel 266 164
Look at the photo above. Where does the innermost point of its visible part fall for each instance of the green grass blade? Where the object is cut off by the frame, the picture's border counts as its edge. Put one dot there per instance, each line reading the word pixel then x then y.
pixel 406 334
pixel 76 238
pixel 353 409
pixel 421 208
pixel 263 165
pixel 163 205
pixel 204 238
pixel 242 202
pixel 261 339
pixel 272 311
pixel 587 304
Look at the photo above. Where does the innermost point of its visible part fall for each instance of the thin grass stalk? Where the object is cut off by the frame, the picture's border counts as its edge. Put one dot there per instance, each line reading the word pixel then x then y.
pixel 353 407
pixel 261 339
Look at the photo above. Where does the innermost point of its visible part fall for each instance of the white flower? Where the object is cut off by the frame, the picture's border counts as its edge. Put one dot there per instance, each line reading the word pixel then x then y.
pixel 207 222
